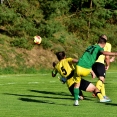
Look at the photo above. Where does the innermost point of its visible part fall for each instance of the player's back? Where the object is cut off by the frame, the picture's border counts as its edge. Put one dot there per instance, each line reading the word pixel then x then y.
pixel 90 56
pixel 65 67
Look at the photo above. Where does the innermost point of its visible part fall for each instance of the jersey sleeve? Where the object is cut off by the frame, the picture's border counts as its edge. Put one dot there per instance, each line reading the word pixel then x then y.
pixel 69 60
pixel 107 47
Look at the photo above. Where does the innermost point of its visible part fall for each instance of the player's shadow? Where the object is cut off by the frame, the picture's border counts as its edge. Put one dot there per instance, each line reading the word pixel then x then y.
pixel 108 103
pixel 44 96
pixel 40 101
pixel 28 98
pixel 53 93
pixel 59 93
pixel 37 101
pixel 111 104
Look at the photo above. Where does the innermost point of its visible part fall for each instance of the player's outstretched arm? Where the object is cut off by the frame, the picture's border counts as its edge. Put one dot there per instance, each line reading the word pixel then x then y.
pixel 75 60
pixel 54 72
pixel 109 53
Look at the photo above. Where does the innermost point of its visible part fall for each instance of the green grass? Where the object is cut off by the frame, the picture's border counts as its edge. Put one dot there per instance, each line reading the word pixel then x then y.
pixel 40 95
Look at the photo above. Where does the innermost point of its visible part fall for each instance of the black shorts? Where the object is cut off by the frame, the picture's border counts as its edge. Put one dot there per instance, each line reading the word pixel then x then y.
pixel 99 69
pixel 83 86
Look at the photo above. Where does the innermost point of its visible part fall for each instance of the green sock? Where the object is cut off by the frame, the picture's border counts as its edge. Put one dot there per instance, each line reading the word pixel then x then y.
pixel 76 93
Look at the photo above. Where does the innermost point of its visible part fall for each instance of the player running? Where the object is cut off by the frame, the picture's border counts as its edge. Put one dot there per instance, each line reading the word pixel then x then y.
pixel 84 65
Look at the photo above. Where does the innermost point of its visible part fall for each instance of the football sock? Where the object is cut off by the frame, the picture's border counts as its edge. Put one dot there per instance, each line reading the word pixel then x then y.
pixel 80 93
pixel 103 90
pixel 99 84
pixel 76 93
pixel 100 96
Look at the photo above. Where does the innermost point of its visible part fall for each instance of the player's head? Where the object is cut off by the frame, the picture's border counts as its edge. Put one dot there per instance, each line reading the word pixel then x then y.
pixel 104 36
pixel 101 41
pixel 60 55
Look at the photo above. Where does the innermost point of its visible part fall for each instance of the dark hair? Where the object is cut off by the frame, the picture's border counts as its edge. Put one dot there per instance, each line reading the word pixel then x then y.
pixel 101 40
pixel 60 55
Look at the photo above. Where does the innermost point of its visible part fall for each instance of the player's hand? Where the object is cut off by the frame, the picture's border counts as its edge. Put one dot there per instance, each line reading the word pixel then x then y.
pixel 53 73
pixel 62 79
pixel 54 64
pixel 93 74
pixel 112 59
pixel 106 67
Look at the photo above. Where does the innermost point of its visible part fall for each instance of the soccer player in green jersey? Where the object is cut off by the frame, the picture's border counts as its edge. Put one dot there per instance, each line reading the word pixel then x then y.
pixel 84 65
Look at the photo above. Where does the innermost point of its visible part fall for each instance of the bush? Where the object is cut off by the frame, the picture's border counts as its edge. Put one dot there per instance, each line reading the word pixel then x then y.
pixel 21 43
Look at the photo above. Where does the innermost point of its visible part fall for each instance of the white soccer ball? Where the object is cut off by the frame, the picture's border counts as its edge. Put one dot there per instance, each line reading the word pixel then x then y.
pixel 37 39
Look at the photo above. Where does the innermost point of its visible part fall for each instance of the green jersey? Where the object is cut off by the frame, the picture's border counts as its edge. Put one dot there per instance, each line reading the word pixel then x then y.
pixel 90 56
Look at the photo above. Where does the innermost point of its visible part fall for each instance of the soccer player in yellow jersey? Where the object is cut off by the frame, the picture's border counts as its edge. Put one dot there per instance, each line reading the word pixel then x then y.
pixel 100 66
pixel 65 68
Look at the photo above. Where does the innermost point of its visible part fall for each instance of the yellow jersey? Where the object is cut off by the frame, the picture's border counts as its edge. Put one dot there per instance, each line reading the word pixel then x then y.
pixel 64 68
pixel 101 58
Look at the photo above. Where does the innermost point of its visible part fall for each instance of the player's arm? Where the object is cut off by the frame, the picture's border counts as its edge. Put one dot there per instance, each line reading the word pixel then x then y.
pixel 107 61
pixel 93 74
pixel 109 53
pixel 75 60
pixel 112 59
pixel 54 71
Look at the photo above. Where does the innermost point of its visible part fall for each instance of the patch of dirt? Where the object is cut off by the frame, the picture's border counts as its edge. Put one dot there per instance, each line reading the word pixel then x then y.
pixel 38 57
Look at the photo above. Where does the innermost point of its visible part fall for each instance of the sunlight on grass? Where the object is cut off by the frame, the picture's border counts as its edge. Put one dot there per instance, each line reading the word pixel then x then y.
pixel 39 95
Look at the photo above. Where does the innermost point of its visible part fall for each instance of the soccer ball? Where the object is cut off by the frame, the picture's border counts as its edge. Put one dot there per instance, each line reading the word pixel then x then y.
pixel 37 39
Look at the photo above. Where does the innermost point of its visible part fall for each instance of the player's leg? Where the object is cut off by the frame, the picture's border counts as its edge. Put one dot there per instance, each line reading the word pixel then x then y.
pixel 71 89
pixel 99 83
pixel 89 87
pixel 103 89
pixel 80 72
pixel 76 93
pixel 99 70
pixel 77 78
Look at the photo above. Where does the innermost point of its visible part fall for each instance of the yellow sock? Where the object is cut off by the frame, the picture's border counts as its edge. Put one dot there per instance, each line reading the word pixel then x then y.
pixel 100 96
pixel 99 84
pixel 103 89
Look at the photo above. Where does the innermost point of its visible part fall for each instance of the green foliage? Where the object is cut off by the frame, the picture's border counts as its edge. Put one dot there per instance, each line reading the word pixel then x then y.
pixel 54 8
pixel 46 43
pixel 49 27
pixel 8 17
pixel 68 25
pixel 111 4
pixel 2 41
pixel 21 43
pixel 7 70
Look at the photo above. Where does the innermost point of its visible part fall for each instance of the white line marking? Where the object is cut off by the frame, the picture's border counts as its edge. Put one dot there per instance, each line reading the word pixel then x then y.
pixel 33 82
pixel 11 83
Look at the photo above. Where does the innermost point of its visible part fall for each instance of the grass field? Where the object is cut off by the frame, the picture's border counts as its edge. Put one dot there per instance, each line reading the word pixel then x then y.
pixel 40 95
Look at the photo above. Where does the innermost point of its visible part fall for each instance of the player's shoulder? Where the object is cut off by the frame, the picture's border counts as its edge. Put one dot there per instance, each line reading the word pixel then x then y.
pixel 108 44
pixel 107 47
